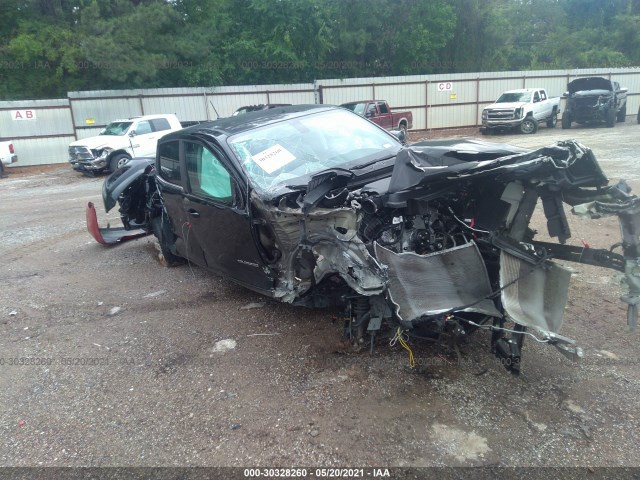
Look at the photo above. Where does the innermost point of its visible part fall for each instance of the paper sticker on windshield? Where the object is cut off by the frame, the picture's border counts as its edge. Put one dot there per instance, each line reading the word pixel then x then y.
pixel 273 158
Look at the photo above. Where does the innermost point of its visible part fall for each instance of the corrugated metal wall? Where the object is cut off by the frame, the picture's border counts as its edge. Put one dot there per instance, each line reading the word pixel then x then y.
pixel 434 108
pixel 43 139
pixel 84 114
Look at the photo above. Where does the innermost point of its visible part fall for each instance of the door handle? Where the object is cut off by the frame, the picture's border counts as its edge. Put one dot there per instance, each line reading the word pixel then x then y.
pixel 193 212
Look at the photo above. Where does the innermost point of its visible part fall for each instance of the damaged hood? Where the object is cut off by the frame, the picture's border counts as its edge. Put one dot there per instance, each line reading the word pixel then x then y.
pixel 429 164
pixel 590 83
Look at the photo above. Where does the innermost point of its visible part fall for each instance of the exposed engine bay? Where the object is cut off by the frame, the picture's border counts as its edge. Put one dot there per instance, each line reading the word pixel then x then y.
pixel 439 245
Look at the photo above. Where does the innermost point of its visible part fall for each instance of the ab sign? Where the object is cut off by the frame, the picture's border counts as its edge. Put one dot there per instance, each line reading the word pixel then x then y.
pixel 23 114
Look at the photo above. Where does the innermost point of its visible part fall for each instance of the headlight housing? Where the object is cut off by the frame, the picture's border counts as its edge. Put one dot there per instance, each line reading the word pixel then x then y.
pixel 518 112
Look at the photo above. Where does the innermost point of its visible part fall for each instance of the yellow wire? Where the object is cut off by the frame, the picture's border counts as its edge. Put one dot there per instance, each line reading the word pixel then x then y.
pixel 412 361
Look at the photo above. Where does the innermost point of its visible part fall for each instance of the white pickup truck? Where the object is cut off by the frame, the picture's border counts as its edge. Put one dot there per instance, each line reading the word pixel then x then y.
pixel 523 109
pixel 120 141
pixel 7 155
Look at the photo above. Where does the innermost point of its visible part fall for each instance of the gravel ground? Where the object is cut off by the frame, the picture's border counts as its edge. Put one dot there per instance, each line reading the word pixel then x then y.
pixel 133 364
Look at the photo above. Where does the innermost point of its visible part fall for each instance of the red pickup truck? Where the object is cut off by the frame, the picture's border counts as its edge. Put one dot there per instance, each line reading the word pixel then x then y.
pixel 379 112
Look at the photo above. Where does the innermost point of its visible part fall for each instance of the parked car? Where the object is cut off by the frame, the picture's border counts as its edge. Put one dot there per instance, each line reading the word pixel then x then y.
pixel 594 100
pixel 315 206
pixel 256 108
pixel 120 141
pixel 523 109
pixel 7 155
pixel 379 112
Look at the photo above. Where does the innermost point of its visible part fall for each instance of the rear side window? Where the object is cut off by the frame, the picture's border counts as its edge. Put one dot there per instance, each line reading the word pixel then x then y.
pixel 169 153
pixel 383 107
pixel 160 124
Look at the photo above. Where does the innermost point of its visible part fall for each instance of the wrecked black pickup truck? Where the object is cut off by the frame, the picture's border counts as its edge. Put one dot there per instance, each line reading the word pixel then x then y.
pixel 315 206
pixel 594 100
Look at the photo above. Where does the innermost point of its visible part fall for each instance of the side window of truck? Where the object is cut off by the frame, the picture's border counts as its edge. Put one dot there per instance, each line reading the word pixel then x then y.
pixel 543 95
pixel 383 108
pixel 371 110
pixel 536 97
pixel 159 124
pixel 169 153
pixel 143 127
pixel 207 175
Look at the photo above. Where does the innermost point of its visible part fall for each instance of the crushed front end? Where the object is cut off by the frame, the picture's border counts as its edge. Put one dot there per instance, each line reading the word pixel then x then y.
pixel 443 246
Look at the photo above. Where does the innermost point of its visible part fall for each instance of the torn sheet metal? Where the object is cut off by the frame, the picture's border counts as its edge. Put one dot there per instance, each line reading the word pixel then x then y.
pixel 534 296
pixel 451 280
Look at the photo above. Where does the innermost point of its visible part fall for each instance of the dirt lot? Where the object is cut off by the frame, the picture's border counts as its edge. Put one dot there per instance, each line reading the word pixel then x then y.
pixel 123 365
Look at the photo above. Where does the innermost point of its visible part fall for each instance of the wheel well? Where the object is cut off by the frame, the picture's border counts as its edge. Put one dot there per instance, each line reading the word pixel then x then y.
pixel 403 122
pixel 118 152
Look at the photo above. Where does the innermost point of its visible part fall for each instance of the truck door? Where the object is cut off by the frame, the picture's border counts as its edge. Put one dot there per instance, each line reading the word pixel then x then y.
pixel 386 118
pixel 143 139
pixel 219 221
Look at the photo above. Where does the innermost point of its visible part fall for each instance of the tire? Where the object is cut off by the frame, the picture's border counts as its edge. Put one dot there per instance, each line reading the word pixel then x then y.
pixel 552 121
pixel 610 118
pixel 403 127
pixel 162 231
pixel 118 161
pixel 566 121
pixel 638 119
pixel 622 114
pixel 529 125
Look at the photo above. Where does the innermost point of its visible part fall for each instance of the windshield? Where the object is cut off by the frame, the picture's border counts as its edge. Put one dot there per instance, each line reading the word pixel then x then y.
pixel 355 107
pixel 116 128
pixel 280 153
pixel 514 97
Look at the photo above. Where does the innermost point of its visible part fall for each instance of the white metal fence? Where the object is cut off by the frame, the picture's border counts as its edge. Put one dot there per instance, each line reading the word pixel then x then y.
pixel 436 101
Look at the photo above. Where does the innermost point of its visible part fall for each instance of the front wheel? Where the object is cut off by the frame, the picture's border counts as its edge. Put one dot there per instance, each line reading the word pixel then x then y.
pixel 529 125
pixel 553 120
pixel 622 114
pixel 610 118
pixel 566 121
pixel 118 161
pixel 162 230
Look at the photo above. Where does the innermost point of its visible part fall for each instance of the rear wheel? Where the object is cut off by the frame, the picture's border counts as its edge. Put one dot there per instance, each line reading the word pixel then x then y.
pixel 529 125
pixel 118 161
pixel 622 114
pixel 552 121
pixel 610 118
pixel 566 120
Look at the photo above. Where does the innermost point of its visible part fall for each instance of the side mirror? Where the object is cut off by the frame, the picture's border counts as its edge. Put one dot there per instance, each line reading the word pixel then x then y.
pixel 565 94
pixel 132 133
pixel 400 135
pixel 368 114
pixel 624 90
